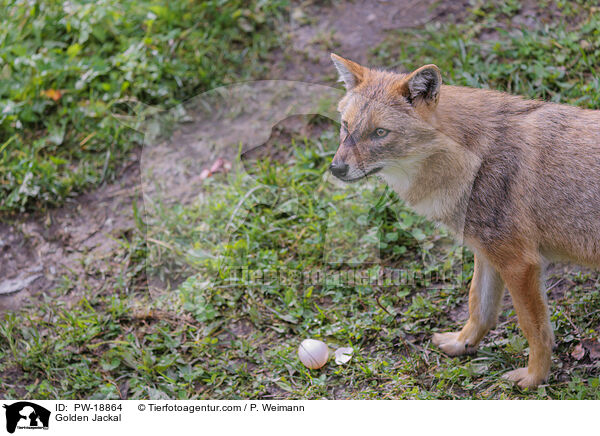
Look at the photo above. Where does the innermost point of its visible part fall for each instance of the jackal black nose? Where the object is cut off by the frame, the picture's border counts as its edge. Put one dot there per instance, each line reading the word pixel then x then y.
pixel 338 169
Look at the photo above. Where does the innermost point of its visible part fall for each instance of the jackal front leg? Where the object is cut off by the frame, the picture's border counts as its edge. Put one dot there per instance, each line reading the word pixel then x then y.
pixel 485 296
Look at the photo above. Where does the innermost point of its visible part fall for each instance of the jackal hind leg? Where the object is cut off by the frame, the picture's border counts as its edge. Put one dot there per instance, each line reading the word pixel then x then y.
pixel 524 283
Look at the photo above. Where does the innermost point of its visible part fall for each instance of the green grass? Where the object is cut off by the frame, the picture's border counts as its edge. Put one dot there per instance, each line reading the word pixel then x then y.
pixel 558 62
pixel 67 68
pixel 215 333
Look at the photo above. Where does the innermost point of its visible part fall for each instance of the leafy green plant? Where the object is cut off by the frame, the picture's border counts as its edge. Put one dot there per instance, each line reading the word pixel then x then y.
pixel 67 69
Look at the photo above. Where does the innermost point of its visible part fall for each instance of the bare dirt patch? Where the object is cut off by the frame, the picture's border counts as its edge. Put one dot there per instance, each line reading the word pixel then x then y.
pixel 350 29
pixel 77 240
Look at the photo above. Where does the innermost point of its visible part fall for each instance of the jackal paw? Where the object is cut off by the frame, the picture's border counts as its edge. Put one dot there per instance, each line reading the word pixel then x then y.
pixel 523 378
pixel 451 345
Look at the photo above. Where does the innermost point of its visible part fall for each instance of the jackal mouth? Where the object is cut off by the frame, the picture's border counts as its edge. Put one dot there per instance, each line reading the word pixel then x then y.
pixel 373 171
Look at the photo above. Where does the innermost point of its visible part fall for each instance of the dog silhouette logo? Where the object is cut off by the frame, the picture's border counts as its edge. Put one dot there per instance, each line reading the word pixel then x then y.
pixel 26 415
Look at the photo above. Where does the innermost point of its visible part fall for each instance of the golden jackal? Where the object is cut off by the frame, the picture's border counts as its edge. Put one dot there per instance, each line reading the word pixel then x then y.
pixel 519 180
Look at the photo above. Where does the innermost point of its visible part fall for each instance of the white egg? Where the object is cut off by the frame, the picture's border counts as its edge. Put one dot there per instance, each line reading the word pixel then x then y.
pixel 313 354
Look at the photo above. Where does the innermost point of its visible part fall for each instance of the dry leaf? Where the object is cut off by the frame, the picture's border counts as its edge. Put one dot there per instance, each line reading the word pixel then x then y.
pixel 220 165
pixel 593 348
pixel 578 352
pixel 53 94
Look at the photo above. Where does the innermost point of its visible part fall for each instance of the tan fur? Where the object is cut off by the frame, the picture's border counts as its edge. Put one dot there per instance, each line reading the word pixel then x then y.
pixel 516 179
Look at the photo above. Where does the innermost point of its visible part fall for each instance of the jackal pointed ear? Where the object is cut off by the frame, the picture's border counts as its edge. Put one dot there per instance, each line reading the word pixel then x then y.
pixel 423 85
pixel 350 72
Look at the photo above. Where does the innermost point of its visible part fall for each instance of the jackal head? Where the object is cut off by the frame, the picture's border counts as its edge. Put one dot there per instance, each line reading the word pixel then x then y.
pixel 384 120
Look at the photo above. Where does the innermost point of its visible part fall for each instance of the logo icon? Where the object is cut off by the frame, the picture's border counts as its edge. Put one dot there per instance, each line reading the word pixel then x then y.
pixel 26 415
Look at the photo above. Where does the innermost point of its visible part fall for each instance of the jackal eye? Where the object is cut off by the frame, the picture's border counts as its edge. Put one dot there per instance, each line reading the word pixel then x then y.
pixel 345 125
pixel 380 132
